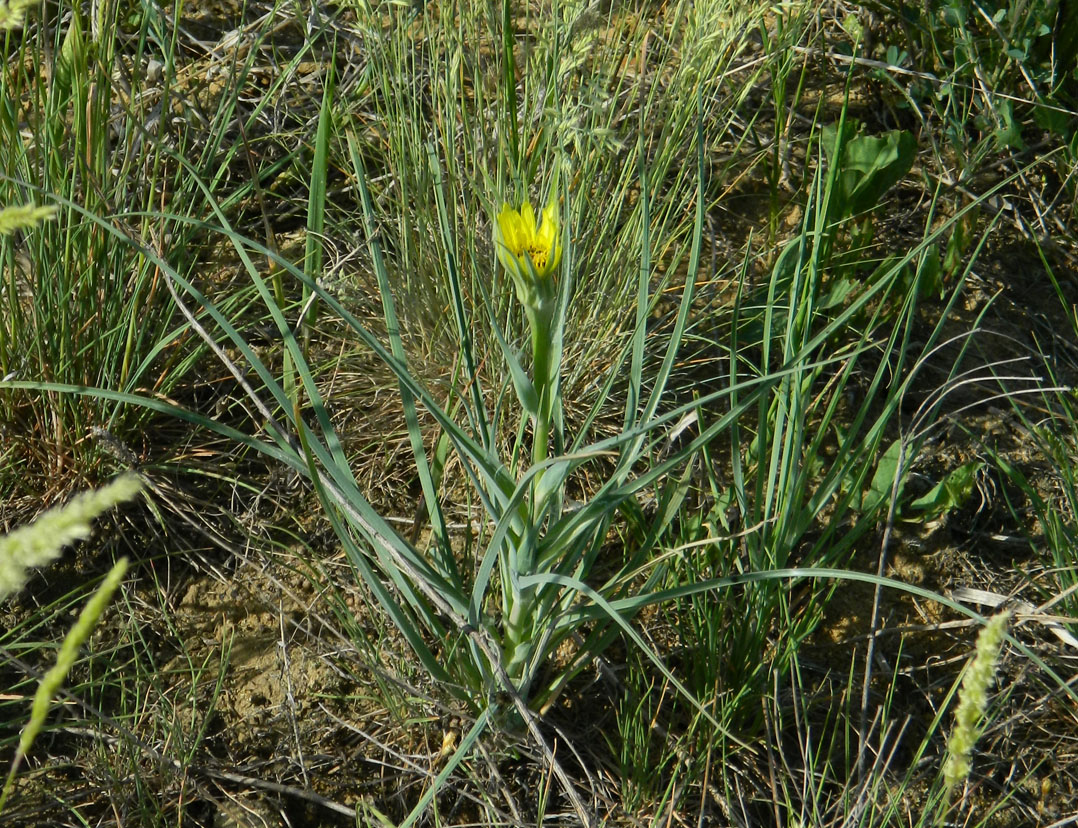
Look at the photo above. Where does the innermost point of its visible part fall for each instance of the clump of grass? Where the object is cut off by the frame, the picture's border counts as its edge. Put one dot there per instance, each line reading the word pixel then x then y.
pixel 88 127
pixel 538 96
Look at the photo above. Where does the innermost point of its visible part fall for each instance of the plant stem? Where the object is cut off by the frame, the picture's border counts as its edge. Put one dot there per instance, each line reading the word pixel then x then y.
pixel 520 617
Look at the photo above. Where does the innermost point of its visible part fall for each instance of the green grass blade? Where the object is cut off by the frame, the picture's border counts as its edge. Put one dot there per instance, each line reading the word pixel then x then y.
pixel 316 199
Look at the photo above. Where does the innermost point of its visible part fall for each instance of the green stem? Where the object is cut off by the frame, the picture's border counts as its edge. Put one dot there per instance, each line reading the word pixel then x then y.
pixel 515 629
pixel 544 379
pixel 544 376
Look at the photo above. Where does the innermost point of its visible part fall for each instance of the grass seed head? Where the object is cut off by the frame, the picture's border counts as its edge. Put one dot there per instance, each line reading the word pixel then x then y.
pixel 973 700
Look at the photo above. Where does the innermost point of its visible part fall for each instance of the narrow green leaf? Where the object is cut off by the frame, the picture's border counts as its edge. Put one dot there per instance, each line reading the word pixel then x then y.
pixel 316 197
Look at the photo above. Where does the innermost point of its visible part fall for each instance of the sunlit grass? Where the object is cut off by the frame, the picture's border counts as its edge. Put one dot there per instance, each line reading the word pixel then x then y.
pixel 636 500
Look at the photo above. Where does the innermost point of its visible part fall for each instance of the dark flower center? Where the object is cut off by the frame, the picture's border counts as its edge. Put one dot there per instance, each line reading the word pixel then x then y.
pixel 539 257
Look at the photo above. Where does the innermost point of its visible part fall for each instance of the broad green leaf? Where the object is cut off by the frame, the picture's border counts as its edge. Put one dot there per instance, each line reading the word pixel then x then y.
pixel 868 165
pixel 883 481
pixel 949 493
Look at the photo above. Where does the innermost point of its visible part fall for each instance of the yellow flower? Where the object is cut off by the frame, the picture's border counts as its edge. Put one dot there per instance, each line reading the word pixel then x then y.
pixel 530 253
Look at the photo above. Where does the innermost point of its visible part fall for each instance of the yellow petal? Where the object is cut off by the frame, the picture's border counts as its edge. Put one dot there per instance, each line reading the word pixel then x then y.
pixel 548 230
pixel 511 230
pixel 527 215
pixel 550 217
pixel 549 237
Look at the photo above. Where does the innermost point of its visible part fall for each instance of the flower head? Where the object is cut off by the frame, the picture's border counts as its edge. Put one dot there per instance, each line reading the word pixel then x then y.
pixel 23 216
pixel 43 540
pixel 973 699
pixel 12 13
pixel 529 252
